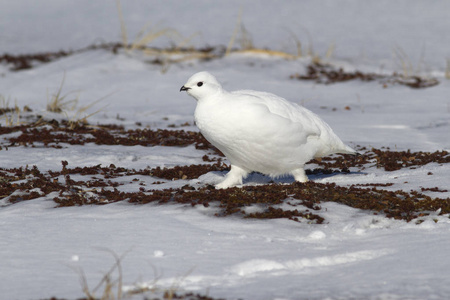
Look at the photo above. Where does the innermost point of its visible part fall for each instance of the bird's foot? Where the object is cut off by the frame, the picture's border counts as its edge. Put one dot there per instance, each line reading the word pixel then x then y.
pixel 300 175
pixel 224 185
pixel 234 177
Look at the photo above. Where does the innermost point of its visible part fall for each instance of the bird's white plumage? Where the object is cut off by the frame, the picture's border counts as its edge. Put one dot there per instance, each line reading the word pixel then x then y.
pixel 259 131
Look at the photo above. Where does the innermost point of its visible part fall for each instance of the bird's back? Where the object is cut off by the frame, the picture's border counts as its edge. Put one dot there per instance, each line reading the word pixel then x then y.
pixel 311 124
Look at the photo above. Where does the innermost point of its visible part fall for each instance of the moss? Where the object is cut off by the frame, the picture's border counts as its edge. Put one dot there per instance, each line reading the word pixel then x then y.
pixel 34 183
pixel 328 74
pixel 233 201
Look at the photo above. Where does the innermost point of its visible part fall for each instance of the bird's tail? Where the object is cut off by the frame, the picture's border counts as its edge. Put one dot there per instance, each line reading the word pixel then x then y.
pixel 348 150
pixel 342 149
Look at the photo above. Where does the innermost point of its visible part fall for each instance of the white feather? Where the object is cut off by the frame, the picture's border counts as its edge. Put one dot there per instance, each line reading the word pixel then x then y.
pixel 259 131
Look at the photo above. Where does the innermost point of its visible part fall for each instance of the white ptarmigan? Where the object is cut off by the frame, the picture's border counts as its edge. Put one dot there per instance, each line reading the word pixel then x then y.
pixel 259 131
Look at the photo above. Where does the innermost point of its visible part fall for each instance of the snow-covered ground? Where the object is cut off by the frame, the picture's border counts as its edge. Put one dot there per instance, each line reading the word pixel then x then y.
pixel 355 255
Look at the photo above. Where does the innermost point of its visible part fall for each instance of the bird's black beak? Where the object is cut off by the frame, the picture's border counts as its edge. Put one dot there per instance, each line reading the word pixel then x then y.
pixel 183 88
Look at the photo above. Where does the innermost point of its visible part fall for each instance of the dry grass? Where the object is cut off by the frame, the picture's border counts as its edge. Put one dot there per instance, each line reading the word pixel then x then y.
pixel 244 38
pixel 181 50
pixel 110 288
pixel 58 102
pixel 415 75
pixel 404 63
pixel 123 28
pixel 111 285
pixel 80 117
pixel 316 58
pixel 447 69
pixel 12 115
pixel 246 45
pixel 165 57
pixel 145 36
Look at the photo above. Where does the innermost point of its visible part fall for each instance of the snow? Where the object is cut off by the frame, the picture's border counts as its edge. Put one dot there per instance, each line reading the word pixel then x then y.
pixel 354 255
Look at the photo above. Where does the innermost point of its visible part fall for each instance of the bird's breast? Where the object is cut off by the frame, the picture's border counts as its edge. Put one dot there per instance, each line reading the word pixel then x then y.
pixel 215 123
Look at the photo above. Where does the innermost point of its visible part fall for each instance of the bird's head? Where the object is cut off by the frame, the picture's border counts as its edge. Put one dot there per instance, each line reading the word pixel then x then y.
pixel 202 85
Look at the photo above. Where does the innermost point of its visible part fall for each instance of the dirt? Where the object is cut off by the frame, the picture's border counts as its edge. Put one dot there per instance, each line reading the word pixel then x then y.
pixel 27 61
pixel 318 72
pixel 385 159
pixel 297 202
pixel 328 74
pixel 99 186
pixel 61 134
pixel 167 296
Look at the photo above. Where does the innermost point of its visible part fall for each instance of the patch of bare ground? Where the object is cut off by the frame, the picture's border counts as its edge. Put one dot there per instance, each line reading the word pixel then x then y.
pixel 99 186
pixel 297 202
pixel 61 134
pixel 385 159
pixel 55 134
pixel 27 61
pixel 318 72
pixel 166 296
pixel 328 74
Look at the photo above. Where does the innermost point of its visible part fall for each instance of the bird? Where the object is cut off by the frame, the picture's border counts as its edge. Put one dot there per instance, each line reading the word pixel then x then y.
pixel 259 131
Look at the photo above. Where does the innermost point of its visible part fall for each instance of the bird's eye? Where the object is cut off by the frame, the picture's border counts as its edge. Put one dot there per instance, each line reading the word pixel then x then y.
pixel 199 84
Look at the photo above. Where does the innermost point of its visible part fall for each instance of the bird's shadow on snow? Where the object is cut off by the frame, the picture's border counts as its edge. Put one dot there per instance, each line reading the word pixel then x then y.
pixel 257 178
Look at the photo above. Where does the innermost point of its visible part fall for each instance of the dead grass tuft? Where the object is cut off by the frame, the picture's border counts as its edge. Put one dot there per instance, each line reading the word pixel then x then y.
pixel 107 284
pixel 447 69
pixel 58 102
pixel 165 57
pixel 11 115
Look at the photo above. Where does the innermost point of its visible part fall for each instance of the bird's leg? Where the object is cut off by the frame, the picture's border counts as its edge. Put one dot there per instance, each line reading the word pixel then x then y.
pixel 233 178
pixel 299 175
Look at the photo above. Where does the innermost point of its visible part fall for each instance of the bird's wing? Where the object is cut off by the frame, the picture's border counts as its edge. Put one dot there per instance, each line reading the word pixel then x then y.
pixel 300 117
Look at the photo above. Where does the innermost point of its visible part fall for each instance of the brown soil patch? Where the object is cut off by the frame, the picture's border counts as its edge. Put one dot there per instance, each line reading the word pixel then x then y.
pixel 317 72
pixel 328 74
pixel 166 296
pixel 28 61
pixel 61 134
pixel 386 159
pixel 55 134
pixel 99 186
pixel 303 200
